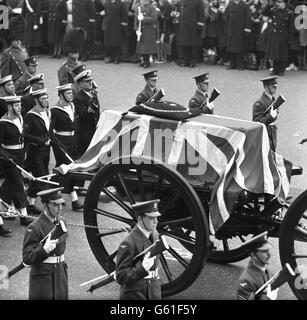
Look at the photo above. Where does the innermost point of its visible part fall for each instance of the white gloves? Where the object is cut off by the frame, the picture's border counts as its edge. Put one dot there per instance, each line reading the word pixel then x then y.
pixel 50 244
pixel 273 113
pixel 35 27
pixel 272 295
pixel 140 16
pixel 41 21
pixel 210 105
pixel 102 13
pixel 147 262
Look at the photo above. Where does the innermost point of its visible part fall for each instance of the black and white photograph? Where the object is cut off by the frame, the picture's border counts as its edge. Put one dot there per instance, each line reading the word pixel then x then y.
pixel 153 150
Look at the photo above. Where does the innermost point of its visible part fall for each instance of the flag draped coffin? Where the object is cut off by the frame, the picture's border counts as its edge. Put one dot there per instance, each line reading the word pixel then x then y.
pixel 230 154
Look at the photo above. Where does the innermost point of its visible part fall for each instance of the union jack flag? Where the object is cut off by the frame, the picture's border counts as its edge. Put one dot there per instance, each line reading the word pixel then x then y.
pixel 230 154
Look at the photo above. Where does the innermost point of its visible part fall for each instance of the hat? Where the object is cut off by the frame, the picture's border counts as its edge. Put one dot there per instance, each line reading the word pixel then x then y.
pixel 259 242
pixel 147 208
pixel 78 69
pixel 6 79
pixel 36 78
pixel 12 99
pixel 31 61
pixel 269 81
pixel 74 40
pixel 202 78
pixel 64 87
pixel 84 75
pixel 151 74
pixel 52 195
pixel 38 93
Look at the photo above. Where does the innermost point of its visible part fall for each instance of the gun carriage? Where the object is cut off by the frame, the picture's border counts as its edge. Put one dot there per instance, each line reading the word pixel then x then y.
pixel 193 206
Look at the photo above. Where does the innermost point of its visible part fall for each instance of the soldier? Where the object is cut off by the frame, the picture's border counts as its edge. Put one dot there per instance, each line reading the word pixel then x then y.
pixel 150 87
pixel 256 273
pixel 37 139
pixel 6 89
pixel 87 111
pixel 147 44
pixel 48 276
pixel 12 60
pixel 73 42
pixel 73 73
pixel 27 100
pixel 22 82
pixel 278 36
pixel 12 152
pixel 200 100
pixel 139 279
pixel 260 106
pixel 63 128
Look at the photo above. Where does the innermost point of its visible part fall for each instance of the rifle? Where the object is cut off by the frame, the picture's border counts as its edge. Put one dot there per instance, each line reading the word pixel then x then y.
pixel 276 104
pixel 157 96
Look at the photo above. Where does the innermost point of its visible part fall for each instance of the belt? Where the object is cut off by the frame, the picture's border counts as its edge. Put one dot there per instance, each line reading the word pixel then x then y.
pixel 272 124
pixel 13 146
pixel 56 259
pixel 65 133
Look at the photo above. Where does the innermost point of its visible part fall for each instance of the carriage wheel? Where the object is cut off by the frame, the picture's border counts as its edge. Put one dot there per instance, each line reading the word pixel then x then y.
pixel 293 244
pixel 228 250
pixel 183 221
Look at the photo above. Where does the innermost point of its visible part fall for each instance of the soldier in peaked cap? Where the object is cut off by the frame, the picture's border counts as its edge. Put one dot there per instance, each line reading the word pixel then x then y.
pixel 12 149
pixel 6 89
pixel 87 111
pixel 139 279
pixel 63 128
pixel 73 74
pixel 22 82
pixel 46 255
pixel 200 99
pixel 260 106
pixel 150 87
pixel 256 272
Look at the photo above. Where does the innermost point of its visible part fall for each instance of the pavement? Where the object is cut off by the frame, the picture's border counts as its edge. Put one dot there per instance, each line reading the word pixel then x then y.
pixel 118 86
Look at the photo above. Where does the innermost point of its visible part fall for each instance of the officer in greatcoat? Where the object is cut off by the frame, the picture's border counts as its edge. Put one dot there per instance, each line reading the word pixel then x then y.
pixel 22 82
pixel 150 88
pixel 115 23
pixel 278 36
pixel 6 89
pixel 139 278
pixel 63 132
pixel 87 111
pixel 261 112
pixel 256 273
pixel 48 275
pixel 37 139
pixel 12 152
pixel 191 23
pixel 148 18
pixel 200 99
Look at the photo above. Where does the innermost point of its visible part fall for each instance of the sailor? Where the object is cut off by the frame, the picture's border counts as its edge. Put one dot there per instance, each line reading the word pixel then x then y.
pixel 150 87
pixel 37 139
pixel 12 153
pixel 256 273
pixel 63 129
pixel 48 276
pixel 261 105
pixel 30 71
pixel 139 278
pixel 200 99
pixel 7 89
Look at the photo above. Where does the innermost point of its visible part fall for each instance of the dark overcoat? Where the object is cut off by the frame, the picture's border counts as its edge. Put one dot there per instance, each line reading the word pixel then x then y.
pixel 82 12
pixel 278 35
pixel 191 12
pixel 259 115
pixel 116 14
pixel 130 274
pixel 238 17
pixel 32 38
pixel 250 281
pixel 47 281
pixel 145 95
pixel 55 16
pixel 21 83
pixel 199 101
